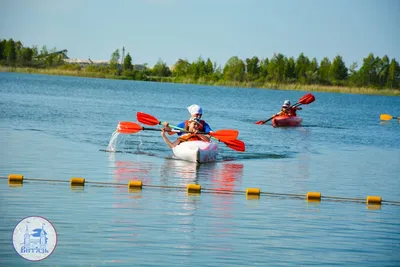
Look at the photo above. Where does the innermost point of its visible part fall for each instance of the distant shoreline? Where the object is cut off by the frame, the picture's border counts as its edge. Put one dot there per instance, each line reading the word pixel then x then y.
pixel 300 87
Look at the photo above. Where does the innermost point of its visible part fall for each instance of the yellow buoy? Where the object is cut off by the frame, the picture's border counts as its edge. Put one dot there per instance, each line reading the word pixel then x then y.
pixel 377 200
pixel 253 191
pixel 15 178
pixel 135 184
pixel 77 181
pixel 313 196
pixel 193 188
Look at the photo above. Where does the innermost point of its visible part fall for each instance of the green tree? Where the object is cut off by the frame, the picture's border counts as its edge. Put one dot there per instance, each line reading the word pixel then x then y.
pixel 10 52
pixel 43 51
pixel 383 70
pixel 264 68
pixel 161 69
pixel 35 51
pixel 127 63
pixel 181 68
pixel 217 73
pixel 338 71
pixel 18 50
pixel 253 68
pixel 393 79
pixel 276 68
pixel 202 67
pixel 368 71
pixel 197 69
pixel 193 71
pixel 302 65
pixel 114 63
pixel 209 68
pixel 234 70
pixel 26 55
pixel 353 74
pixel 312 72
pixel 290 72
pixel 2 49
pixel 324 71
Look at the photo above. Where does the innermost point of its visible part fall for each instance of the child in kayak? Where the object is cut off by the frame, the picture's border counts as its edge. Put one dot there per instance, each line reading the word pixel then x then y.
pixel 194 127
pixel 195 112
pixel 288 110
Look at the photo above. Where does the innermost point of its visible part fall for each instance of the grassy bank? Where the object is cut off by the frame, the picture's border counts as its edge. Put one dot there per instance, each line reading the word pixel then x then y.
pixel 302 87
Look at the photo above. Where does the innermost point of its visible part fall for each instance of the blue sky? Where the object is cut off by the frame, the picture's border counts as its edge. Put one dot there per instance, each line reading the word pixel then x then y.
pixel 216 29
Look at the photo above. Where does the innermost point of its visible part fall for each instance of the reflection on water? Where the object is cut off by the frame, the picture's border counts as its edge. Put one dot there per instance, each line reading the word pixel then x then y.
pixel 177 206
pixel 390 122
pixel 217 175
pixel 179 172
pixel 126 171
pixel 227 177
pixel 221 176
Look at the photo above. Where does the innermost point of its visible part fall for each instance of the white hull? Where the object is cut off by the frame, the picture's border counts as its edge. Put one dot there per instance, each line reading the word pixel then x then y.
pixel 196 151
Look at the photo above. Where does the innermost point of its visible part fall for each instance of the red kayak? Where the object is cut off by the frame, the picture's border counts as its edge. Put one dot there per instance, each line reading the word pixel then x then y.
pixel 280 121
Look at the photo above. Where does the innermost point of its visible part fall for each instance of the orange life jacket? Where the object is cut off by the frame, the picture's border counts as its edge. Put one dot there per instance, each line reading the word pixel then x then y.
pixel 189 137
pixel 289 111
pixel 292 112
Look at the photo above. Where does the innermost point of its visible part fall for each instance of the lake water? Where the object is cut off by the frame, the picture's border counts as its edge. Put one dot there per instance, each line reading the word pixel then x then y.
pixel 56 128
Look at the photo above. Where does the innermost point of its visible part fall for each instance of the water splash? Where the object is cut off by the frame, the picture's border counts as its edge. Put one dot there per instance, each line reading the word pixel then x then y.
pixel 113 142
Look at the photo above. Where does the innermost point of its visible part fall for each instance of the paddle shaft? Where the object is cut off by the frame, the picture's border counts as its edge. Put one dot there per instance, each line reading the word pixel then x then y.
pixel 177 130
pixel 181 129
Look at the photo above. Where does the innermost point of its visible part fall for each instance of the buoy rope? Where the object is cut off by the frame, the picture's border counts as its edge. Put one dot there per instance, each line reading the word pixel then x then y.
pixel 210 190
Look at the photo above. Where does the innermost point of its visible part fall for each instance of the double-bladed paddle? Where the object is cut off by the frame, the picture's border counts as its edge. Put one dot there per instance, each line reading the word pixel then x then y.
pixel 233 143
pixel 305 100
pixel 127 127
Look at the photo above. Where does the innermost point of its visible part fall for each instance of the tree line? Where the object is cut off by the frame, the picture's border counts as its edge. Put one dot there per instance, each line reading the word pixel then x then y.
pixel 375 72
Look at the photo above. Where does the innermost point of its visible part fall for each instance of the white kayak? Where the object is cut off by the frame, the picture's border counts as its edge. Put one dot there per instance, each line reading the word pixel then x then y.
pixel 196 151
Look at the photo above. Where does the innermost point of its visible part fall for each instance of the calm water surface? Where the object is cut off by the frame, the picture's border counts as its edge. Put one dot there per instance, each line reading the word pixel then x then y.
pixel 56 128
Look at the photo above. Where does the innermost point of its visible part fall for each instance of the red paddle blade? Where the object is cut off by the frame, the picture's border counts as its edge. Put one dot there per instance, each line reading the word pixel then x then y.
pixel 304 97
pixel 225 134
pixel 307 99
pixel 260 122
pixel 127 127
pixel 147 119
pixel 236 144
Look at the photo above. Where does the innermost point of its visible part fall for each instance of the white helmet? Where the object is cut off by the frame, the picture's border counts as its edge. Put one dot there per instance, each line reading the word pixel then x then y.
pixel 195 109
pixel 286 104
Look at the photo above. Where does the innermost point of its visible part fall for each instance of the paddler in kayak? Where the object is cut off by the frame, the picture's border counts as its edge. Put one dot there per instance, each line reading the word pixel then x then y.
pixel 288 110
pixel 194 125
pixel 195 112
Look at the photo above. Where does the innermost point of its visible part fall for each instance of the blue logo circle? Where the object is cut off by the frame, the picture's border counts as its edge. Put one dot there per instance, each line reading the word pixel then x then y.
pixel 34 238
